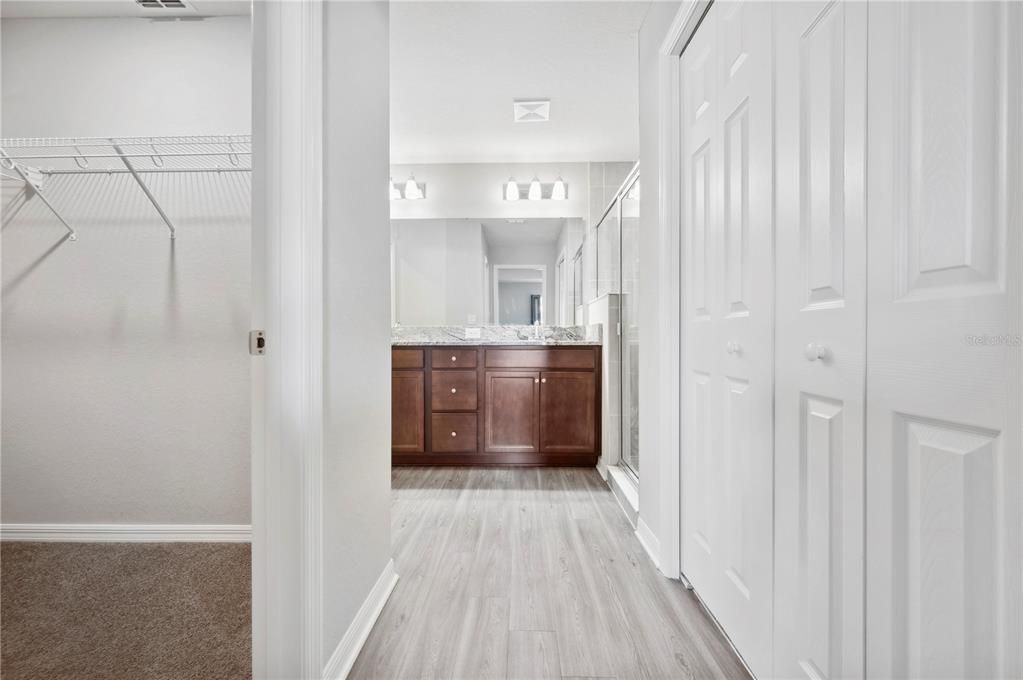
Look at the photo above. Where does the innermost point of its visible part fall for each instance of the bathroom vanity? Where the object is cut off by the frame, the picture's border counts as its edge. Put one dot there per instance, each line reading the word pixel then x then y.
pixel 505 399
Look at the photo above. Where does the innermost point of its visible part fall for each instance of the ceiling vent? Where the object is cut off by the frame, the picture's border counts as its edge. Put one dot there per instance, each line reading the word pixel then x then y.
pixel 161 4
pixel 532 110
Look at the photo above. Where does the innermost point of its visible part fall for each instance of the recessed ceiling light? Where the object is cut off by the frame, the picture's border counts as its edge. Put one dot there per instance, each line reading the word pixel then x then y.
pixel 532 110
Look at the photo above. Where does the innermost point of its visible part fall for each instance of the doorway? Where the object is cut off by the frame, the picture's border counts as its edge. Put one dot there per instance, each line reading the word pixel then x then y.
pixel 520 294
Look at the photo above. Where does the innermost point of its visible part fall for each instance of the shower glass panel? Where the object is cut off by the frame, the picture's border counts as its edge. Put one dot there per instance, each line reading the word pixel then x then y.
pixel 629 314
pixel 617 276
pixel 608 275
pixel 577 287
pixel 609 236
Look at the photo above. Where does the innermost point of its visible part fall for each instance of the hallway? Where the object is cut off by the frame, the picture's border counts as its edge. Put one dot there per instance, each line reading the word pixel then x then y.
pixel 530 573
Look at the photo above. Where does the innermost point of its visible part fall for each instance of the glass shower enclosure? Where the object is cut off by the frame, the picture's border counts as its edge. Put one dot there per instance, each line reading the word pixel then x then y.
pixel 618 276
pixel 629 314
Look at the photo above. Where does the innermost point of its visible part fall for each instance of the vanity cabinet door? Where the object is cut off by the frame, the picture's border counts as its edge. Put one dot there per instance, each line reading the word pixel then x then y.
pixel 408 411
pixel 568 411
pixel 512 411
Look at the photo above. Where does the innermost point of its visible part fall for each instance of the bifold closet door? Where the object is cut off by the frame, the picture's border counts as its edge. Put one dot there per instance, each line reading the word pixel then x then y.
pixel 728 466
pixel 944 482
pixel 820 144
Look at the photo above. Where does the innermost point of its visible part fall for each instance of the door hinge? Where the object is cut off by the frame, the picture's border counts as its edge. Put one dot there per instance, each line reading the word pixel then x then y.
pixel 257 343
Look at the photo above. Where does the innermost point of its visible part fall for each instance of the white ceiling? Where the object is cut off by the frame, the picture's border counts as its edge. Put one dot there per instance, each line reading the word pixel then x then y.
pixel 24 9
pixel 504 233
pixel 456 68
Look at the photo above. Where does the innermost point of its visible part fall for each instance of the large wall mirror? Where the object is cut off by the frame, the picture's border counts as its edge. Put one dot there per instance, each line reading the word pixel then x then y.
pixel 485 272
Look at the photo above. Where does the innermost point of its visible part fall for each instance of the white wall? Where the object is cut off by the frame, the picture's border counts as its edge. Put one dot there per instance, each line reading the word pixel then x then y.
pixel 126 77
pixel 438 272
pixel 515 300
pixel 460 190
pixel 652 483
pixel 126 383
pixel 357 435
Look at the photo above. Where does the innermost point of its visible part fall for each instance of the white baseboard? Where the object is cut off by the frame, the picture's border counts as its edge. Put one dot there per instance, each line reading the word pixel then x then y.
pixel 649 542
pixel 343 658
pixel 626 490
pixel 127 533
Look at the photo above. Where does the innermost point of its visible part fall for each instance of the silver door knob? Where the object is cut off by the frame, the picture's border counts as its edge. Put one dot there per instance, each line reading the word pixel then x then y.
pixel 453 390
pixel 813 352
pixel 454 434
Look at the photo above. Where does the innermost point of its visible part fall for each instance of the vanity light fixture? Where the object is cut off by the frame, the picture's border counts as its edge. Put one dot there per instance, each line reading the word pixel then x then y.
pixel 412 191
pixel 535 191
pixel 511 190
pixel 409 190
pixel 558 190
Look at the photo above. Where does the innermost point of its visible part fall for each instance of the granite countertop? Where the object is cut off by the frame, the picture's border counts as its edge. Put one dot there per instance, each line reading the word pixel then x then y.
pixel 495 335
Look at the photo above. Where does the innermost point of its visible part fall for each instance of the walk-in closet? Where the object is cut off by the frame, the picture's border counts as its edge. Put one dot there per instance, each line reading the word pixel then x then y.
pixel 126 162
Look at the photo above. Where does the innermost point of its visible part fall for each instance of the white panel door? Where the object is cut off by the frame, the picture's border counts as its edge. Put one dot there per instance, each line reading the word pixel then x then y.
pixel 727 171
pixel 820 119
pixel 701 196
pixel 944 481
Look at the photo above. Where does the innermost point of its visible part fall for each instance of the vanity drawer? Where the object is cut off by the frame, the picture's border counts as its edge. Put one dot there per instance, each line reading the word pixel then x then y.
pixel 579 358
pixel 453 433
pixel 406 358
pixel 453 390
pixel 454 357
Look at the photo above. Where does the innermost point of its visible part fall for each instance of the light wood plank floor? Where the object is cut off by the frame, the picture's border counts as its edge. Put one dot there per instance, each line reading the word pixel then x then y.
pixel 530 573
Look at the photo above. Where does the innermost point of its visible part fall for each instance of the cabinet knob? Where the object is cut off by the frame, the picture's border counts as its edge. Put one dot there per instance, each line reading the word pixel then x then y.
pixel 733 347
pixel 454 434
pixel 543 380
pixel 454 358
pixel 536 380
pixel 453 390
pixel 813 352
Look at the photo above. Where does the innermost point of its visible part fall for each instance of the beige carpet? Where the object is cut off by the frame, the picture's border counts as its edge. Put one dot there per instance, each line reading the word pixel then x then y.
pixel 137 611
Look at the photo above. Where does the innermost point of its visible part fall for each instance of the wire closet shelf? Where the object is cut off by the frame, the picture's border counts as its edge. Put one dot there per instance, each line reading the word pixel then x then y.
pixel 34 160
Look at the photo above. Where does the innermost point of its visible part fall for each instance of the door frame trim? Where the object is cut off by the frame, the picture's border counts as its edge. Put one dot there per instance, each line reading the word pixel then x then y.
pixel 287 382
pixel 669 219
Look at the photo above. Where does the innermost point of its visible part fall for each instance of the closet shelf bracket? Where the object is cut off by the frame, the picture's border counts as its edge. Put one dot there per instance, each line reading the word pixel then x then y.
pixel 34 184
pixel 145 189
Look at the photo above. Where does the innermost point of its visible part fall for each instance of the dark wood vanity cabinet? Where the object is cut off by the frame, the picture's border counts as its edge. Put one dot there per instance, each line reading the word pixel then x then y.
pixel 568 412
pixel 512 422
pixel 496 405
pixel 408 406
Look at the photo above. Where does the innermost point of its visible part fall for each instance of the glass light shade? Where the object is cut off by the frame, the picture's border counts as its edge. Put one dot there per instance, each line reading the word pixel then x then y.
pixel 511 190
pixel 412 192
pixel 535 191
pixel 558 190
